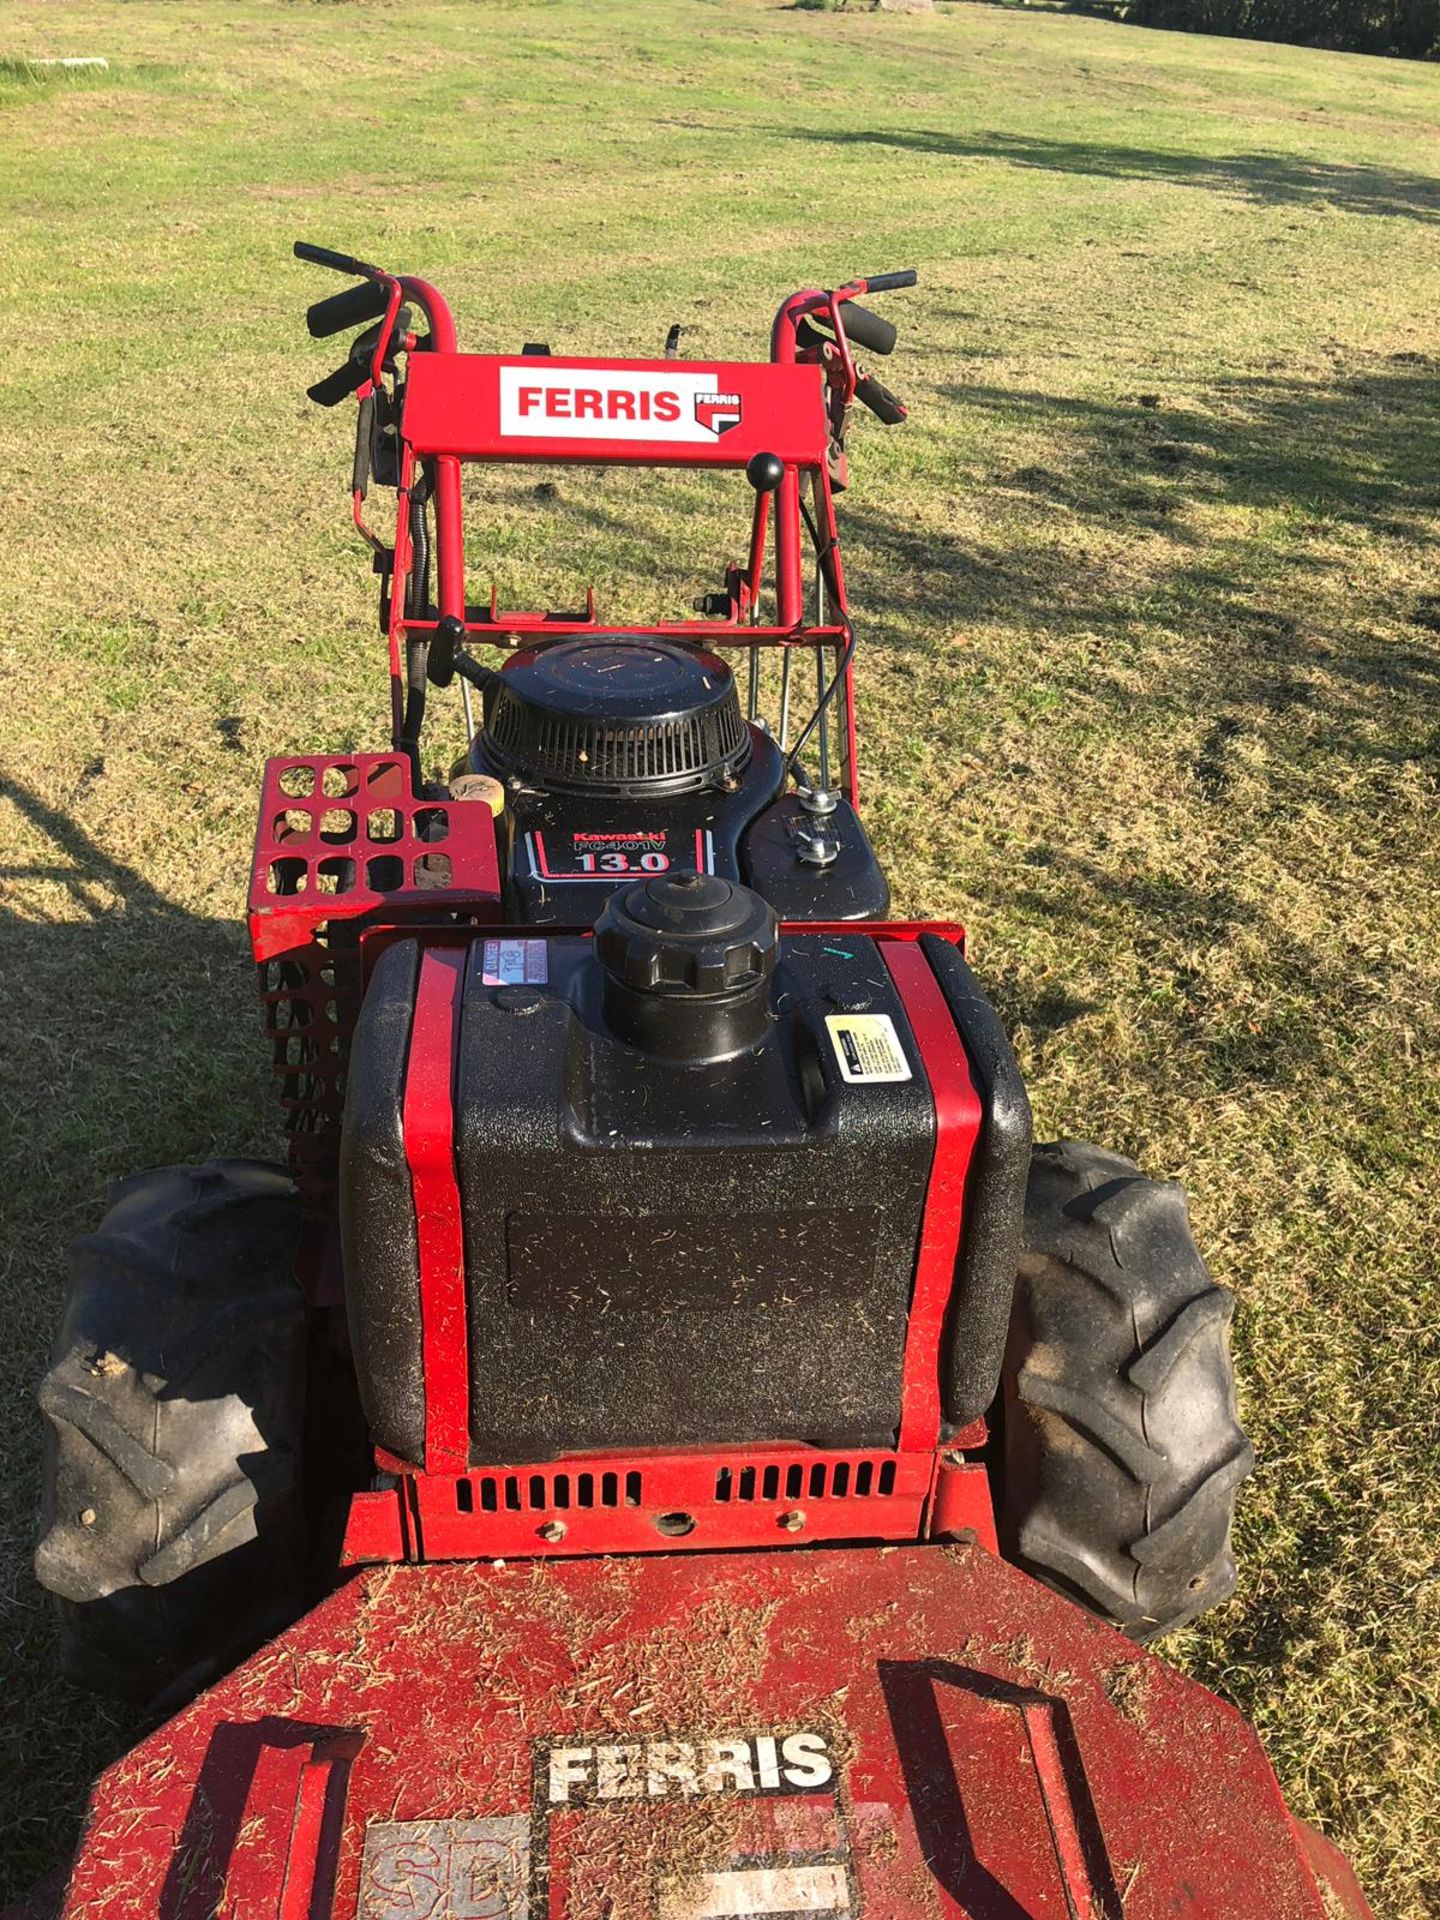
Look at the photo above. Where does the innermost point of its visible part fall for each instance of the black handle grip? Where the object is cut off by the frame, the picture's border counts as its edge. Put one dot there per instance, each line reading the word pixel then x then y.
pixel 807 336
pixel 363 346
pixel 348 309
pixel 890 282
pixel 330 391
pixel 869 328
pixel 880 400
pixel 340 262
pixel 364 427
pixel 445 644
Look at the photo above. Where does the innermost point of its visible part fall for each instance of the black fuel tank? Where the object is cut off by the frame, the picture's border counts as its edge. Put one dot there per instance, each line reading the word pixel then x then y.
pixel 692 1162
pixel 659 1251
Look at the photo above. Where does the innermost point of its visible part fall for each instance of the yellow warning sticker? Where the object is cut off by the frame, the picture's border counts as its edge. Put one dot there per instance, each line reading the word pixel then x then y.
pixel 867 1048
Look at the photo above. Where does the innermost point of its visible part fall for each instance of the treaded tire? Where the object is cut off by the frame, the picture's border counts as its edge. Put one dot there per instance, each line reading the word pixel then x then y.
pixel 172 1531
pixel 1122 1450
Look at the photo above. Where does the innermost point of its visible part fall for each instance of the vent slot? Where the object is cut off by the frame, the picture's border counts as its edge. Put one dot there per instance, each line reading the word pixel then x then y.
pixel 549 1492
pixel 825 1480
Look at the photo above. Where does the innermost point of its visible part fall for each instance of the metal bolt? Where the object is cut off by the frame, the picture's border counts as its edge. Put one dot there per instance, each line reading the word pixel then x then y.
pixel 553 1530
pixel 815 847
pixel 88 1517
pixel 792 1521
pixel 816 799
pixel 519 1000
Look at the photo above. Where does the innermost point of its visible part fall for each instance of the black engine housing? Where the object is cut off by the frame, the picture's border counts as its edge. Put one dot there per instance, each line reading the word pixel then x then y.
pixel 624 755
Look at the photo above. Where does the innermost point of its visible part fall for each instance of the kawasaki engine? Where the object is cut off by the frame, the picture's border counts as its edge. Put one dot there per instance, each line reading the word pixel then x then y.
pixel 623 755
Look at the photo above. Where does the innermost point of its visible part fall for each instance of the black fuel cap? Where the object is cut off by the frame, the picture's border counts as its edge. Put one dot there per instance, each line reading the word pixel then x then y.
pixel 688 958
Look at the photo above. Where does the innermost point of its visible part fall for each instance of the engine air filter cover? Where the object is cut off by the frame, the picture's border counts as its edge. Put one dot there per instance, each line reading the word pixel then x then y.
pixel 616 713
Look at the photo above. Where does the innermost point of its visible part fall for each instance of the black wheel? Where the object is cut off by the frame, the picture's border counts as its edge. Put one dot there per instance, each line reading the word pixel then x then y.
pixel 1122 1450
pixel 172 1533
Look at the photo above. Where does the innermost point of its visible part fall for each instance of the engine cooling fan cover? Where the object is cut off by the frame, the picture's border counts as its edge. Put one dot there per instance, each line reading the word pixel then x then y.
pixel 616 713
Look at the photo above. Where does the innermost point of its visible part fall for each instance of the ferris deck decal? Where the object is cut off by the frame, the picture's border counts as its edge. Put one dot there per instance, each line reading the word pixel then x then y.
pixel 446 1870
pixel 656 1769
pixel 601 403
pixel 867 1048
pixel 606 856
pixel 742 1826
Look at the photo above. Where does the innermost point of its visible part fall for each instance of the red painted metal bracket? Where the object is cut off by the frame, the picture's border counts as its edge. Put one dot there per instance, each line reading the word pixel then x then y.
pixel 957 1126
pixel 429 1126
pixel 480 406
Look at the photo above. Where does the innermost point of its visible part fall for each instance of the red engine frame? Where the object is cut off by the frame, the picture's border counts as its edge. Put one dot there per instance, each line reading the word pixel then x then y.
pixel 458 408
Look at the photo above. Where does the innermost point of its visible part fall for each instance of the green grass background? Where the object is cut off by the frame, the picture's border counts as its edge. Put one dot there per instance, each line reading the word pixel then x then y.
pixel 1151 688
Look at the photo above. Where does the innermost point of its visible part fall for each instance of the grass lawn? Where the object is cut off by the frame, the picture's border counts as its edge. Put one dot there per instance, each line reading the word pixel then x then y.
pixel 1150 670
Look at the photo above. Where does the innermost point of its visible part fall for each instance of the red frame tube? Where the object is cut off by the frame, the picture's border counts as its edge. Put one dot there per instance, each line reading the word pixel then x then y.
pixel 449 524
pixel 789 628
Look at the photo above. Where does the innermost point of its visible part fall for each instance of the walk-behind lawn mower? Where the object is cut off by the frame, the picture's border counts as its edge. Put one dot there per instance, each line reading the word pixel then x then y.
pixel 668 1447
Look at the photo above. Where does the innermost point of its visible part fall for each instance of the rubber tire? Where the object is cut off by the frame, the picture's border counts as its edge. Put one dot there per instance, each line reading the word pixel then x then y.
pixel 1122 1448
pixel 172 1530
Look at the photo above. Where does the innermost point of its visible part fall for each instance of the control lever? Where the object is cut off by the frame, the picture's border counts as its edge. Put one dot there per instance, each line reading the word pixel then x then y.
pixel 341 310
pixel 446 658
pixel 330 391
pixel 870 330
pixel 884 404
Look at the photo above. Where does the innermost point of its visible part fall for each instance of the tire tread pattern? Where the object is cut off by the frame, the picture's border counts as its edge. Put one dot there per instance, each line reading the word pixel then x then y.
pixel 1123 1451
pixel 171 1524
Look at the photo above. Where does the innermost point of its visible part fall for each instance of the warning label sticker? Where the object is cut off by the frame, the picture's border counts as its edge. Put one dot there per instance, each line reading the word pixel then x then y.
pixel 867 1048
pixel 516 963
pixel 760 1893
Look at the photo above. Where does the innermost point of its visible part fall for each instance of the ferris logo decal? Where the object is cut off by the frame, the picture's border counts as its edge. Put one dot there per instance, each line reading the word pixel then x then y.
pixel 577 403
pixel 658 1769
pixel 718 411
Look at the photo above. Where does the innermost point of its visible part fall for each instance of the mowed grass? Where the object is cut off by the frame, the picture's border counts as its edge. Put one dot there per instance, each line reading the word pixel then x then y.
pixel 1150 670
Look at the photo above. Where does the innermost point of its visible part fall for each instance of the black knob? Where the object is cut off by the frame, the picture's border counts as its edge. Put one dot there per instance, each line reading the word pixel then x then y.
pixel 764 471
pixel 687 960
pixel 445 643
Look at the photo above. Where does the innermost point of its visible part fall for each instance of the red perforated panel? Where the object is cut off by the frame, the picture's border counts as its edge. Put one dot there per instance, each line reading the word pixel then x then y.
pixel 664 1502
pixel 344 843
pixel 340 837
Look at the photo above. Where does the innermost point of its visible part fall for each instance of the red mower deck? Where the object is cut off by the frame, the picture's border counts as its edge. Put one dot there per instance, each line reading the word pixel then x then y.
pixel 888 1732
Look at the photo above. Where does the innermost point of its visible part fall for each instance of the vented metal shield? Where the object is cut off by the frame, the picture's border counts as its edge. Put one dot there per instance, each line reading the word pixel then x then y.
pixel 616 713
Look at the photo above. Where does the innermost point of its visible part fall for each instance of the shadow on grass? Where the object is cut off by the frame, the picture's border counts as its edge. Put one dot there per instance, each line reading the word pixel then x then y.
pixel 132 1040
pixel 1333 464
pixel 1265 179
pixel 1161 620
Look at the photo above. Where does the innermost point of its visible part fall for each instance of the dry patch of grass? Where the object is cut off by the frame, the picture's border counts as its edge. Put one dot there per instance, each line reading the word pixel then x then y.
pixel 1151 693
